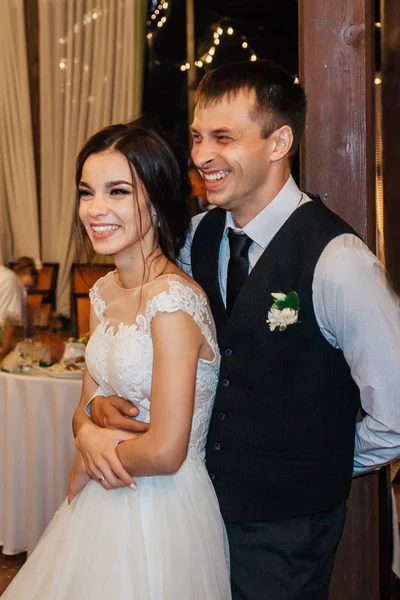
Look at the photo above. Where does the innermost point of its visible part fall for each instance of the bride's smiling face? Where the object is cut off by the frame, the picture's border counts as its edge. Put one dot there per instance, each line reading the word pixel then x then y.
pixel 113 207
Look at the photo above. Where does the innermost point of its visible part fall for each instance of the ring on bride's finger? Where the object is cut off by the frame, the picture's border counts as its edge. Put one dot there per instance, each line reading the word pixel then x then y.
pixel 102 478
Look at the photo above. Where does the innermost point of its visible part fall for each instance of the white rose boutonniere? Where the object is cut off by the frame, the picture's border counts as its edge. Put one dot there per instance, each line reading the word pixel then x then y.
pixel 284 311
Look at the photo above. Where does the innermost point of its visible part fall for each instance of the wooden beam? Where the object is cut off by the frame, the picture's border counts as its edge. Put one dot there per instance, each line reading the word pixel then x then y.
pixel 390 89
pixel 336 52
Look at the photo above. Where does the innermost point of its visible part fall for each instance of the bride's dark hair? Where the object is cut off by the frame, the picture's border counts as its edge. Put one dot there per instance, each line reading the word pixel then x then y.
pixel 161 169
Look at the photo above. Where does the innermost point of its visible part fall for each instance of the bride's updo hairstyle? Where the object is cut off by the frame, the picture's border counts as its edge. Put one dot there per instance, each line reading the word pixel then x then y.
pixel 161 169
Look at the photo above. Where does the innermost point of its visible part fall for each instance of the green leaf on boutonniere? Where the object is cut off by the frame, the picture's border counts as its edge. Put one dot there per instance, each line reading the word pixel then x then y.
pixel 292 300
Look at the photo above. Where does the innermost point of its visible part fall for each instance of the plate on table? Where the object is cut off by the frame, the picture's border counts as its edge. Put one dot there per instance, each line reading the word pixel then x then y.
pixel 65 374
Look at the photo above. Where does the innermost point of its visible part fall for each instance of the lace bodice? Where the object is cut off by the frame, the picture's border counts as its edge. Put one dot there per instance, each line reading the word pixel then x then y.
pixel 119 355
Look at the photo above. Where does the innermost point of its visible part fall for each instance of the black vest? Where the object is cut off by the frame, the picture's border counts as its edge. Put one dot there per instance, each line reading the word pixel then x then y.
pixel 281 437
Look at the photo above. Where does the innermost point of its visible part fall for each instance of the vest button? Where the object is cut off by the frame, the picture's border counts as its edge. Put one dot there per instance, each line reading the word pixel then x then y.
pixel 228 352
pixel 225 382
pixel 212 476
pixel 222 416
pixel 217 446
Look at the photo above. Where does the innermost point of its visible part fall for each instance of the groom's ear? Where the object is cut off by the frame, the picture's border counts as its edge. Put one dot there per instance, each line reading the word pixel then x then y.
pixel 283 141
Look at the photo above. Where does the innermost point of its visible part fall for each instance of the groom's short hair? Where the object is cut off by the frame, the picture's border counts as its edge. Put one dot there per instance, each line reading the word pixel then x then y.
pixel 280 99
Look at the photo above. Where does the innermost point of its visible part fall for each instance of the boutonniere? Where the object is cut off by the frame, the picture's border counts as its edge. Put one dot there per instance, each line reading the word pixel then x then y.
pixel 284 311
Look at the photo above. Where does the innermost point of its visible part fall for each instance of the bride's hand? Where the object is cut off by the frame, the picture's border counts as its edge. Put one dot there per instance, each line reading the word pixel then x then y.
pixel 98 447
pixel 78 478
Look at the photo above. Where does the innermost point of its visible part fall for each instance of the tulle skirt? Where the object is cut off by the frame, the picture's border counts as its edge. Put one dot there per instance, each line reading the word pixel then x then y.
pixel 166 541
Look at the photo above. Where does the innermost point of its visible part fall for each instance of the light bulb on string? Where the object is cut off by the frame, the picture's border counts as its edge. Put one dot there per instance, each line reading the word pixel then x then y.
pixel 244 44
pixel 183 67
pixel 216 41
pixel 209 59
pixel 229 31
pixel 296 80
pixel 253 57
pixel 220 31
pixel 211 51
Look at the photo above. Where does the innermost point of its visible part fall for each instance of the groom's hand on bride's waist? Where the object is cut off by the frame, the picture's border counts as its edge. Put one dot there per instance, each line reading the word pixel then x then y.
pixel 114 412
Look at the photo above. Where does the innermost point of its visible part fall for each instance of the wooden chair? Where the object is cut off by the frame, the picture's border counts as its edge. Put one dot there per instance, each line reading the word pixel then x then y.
pixel 47 282
pixel 83 277
pixel 80 314
pixel 39 308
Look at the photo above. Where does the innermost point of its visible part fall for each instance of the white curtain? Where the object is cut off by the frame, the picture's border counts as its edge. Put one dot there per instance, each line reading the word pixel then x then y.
pixel 19 227
pixel 91 68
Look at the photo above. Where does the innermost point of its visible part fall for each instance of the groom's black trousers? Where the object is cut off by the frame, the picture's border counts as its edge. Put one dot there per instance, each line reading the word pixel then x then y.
pixel 285 559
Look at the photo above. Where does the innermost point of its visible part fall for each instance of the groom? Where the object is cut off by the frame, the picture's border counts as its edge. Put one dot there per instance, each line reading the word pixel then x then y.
pixel 308 330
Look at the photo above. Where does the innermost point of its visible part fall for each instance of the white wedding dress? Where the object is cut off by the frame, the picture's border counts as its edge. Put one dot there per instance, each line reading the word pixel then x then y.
pixel 166 541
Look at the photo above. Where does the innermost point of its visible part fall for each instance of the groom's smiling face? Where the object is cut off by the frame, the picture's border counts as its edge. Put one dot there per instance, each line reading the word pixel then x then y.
pixel 229 150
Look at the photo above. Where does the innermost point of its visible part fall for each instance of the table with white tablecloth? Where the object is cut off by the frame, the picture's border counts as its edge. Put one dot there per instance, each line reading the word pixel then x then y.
pixel 36 452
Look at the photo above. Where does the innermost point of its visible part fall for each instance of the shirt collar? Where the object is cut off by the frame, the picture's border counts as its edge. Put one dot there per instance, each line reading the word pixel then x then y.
pixel 267 223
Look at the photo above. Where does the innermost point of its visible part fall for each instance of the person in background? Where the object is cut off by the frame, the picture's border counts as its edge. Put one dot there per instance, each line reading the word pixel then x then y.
pixel 309 331
pixel 14 284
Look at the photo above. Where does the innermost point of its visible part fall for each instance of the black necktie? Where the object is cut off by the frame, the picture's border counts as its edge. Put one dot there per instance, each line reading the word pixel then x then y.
pixel 238 266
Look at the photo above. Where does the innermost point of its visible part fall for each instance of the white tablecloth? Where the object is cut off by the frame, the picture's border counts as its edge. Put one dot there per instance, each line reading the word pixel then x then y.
pixel 36 452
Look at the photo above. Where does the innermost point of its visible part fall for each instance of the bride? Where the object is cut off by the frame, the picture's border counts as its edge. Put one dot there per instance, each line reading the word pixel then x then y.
pixel 149 529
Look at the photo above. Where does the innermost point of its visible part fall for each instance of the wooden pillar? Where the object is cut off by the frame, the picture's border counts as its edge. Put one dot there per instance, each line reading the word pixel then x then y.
pixel 390 89
pixel 32 46
pixel 338 162
pixel 337 71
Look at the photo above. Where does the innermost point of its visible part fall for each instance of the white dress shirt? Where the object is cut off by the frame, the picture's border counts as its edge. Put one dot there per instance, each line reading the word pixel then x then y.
pixel 356 310
pixel 12 297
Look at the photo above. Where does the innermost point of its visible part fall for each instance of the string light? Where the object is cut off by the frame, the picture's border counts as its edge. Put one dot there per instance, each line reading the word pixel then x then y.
pixel 377 81
pixel 157 18
pixel 378 25
pixel 296 80
pixel 208 56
